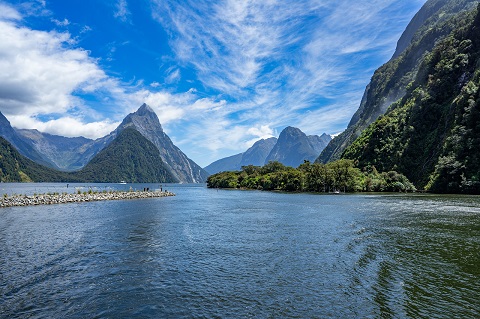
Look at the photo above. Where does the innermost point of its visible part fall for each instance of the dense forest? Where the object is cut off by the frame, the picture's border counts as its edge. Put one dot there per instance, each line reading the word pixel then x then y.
pixel 338 176
pixel 432 134
pixel 435 21
pixel 130 157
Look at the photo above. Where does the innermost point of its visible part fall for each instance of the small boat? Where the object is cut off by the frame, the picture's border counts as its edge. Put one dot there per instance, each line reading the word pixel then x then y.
pixel 123 183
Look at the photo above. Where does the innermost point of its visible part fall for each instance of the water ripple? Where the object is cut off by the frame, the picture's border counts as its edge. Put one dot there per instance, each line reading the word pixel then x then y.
pixel 231 254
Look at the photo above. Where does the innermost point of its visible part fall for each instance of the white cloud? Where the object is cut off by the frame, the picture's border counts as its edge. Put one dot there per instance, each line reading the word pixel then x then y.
pixel 65 126
pixel 59 23
pixel 8 13
pixel 121 11
pixel 261 131
pixel 173 77
pixel 269 64
pixel 39 73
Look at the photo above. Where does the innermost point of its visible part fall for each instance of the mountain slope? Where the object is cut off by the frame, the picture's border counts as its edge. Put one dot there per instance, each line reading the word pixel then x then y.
pixel 15 167
pixel 67 153
pixel 71 154
pixel 230 163
pixel 294 147
pixel 318 143
pixel 389 83
pixel 130 157
pixel 22 146
pixel 145 121
pixel 432 135
pixel 255 155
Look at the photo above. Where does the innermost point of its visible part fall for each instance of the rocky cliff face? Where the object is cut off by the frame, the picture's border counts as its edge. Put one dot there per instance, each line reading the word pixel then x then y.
pixel 67 153
pixel 432 134
pixel 390 81
pixel 145 121
pixel 294 147
pixel 318 143
pixel 74 153
pixel 129 157
pixel 257 154
pixel 23 146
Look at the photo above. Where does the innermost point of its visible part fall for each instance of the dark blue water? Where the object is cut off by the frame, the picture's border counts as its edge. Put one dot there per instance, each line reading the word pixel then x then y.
pixel 242 254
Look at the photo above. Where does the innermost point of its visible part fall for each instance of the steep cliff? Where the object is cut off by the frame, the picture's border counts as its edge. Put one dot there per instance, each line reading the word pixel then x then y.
pixel 389 83
pixel 432 135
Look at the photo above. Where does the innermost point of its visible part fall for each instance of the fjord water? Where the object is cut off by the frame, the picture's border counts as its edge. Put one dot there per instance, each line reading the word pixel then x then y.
pixel 241 254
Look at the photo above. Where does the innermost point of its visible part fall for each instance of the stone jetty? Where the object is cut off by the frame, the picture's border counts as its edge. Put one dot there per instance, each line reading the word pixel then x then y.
pixel 50 199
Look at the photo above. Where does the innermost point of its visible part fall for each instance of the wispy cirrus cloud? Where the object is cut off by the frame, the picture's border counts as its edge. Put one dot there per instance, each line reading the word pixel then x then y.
pixel 121 11
pixel 277 62
pixel 261 65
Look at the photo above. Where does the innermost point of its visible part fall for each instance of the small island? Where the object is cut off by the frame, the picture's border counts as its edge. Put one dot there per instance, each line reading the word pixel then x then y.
pixel 79 197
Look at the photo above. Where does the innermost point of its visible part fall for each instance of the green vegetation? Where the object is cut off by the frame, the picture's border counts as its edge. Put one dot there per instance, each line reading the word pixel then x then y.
pixel 392 80
pixel 17 168
pixel 341 175
pixel 130 157
pixel 432 135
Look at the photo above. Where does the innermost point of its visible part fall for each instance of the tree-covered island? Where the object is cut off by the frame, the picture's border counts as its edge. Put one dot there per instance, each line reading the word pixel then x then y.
pixel 337 176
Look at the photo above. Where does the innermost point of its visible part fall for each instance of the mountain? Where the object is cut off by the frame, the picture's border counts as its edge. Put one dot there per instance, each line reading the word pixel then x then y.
pixel 129 157
pixel 432 134
pixel 15 167
pixel 145 121
pixel 390 82
pixel 71 154
pixel 294 147
pixel 255 155
pixel 58 152
pixel 230 163
pixel 67 153
pixel 319 143
pixel 27 150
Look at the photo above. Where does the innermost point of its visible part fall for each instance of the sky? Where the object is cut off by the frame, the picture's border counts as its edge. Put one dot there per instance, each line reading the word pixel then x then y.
pixel 220 75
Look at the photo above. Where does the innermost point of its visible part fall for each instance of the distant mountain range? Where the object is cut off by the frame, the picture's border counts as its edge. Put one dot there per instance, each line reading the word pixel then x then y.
pixel 255 155
pixel 69 154
pixel 291 149
pixel 129 157
pixel 294 147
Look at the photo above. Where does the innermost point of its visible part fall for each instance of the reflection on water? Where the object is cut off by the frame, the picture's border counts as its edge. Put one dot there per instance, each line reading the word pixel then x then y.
pixel 208 253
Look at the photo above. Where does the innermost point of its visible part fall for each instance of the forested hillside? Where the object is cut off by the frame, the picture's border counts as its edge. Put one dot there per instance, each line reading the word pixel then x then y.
pixel 435 21
pixel 432 135
pixel 130 157
pixel 14 167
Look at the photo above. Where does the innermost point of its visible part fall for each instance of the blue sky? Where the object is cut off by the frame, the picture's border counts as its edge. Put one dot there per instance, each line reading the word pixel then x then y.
pixel 219 74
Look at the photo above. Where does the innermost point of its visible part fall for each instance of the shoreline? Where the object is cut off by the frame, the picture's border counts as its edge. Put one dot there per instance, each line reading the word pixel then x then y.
pixel 66 198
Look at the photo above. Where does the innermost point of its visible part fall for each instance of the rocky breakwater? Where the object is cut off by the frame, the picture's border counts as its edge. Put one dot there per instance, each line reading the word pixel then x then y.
pixel 50 199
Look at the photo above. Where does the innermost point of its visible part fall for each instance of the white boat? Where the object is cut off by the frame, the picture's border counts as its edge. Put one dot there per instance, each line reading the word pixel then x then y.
pixel 123 183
